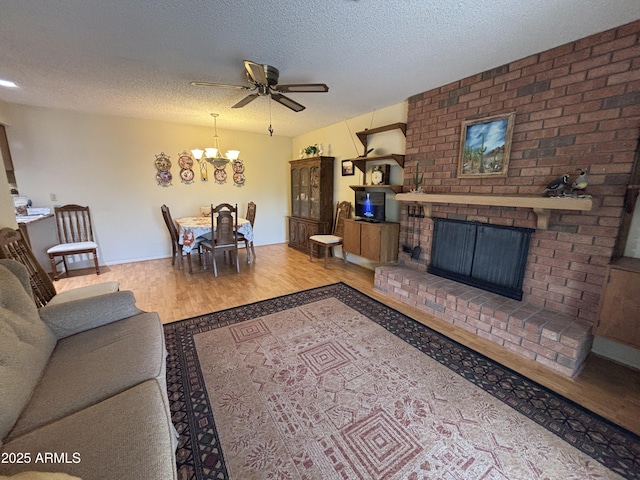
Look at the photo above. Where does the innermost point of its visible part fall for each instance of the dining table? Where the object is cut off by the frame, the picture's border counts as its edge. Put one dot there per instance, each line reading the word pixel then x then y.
pixel 190 229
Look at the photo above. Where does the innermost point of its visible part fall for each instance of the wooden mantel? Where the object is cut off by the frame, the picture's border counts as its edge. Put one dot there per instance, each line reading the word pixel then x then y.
pixel 542 206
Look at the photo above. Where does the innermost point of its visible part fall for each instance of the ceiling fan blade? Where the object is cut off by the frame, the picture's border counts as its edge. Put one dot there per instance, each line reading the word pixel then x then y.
pixel 246 100
pixel 223 85
pixel 287 102
pixel 256 72
pixel 303 87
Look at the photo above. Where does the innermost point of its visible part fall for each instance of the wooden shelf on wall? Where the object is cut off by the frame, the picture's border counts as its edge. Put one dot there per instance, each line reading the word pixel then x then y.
pixel 361 162
pixel 385 128
pixel 542 206
pixel 393 188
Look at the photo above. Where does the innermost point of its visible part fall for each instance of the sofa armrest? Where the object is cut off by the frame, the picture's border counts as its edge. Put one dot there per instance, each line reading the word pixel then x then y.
pixel 76 316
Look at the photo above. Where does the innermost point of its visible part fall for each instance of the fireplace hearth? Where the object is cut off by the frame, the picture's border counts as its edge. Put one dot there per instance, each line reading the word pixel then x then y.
pixel 490 257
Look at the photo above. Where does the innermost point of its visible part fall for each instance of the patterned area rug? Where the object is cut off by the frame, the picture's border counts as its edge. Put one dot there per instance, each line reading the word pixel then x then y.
pixel 331 384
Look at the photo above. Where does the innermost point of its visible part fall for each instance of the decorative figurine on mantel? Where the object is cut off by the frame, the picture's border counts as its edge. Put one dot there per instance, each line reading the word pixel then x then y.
pixel 416 182
pixel 579 185
pixel 556 187
pixel 560 187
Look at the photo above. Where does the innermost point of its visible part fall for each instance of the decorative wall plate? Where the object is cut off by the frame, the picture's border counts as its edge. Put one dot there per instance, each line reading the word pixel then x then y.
pixel 187 175
pixel 220 175
pixel 185 160
pixel 238 166
pixel 163 163
pixel 164 178
pixel 238 179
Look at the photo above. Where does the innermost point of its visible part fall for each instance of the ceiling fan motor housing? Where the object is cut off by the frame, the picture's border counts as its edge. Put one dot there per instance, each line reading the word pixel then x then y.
pixel 272 74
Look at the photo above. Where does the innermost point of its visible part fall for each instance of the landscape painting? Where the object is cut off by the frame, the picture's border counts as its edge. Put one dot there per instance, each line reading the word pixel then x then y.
pixel 485 146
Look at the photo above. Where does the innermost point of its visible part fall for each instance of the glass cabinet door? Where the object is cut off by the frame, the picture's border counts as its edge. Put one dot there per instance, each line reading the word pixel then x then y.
pixel 295 191
pixel 304 192
pixel 314 195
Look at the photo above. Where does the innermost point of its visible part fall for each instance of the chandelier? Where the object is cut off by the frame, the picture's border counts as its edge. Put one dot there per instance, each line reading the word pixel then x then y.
pixel 213 154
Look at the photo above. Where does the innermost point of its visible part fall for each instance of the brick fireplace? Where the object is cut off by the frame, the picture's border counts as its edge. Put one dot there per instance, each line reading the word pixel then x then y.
pixel 576 106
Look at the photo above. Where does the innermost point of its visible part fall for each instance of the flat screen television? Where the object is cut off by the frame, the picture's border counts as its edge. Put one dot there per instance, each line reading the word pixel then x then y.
pixel 370 206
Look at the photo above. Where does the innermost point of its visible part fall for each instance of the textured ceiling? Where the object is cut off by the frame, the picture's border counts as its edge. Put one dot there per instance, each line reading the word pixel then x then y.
pixel 136 57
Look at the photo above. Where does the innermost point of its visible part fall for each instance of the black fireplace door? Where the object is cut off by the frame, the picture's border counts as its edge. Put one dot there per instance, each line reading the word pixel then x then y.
pixel 490 257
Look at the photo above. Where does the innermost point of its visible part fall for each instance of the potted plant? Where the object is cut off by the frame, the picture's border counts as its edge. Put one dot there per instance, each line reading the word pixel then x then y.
pixel 311 151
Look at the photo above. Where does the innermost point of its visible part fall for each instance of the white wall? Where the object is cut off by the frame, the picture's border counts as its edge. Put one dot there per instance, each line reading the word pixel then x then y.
pixel 339 140
pixel 107 162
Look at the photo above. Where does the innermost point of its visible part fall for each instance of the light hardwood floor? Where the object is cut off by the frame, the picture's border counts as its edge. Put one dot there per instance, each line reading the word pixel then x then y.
pixel 604 387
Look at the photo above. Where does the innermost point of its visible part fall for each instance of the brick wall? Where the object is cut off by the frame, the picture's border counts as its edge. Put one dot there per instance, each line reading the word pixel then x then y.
pixel 577 106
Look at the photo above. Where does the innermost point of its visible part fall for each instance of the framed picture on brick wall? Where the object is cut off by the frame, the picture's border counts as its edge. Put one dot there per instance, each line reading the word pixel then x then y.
pixel 485 146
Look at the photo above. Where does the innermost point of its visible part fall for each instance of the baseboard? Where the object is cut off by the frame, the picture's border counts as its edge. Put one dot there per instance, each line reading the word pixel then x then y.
pixel 617 352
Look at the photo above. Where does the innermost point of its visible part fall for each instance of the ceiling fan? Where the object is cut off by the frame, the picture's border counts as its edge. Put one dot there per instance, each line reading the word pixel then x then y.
pixel 263 81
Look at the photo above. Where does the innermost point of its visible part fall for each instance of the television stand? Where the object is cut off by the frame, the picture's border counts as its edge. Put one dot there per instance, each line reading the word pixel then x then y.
pixel 374 241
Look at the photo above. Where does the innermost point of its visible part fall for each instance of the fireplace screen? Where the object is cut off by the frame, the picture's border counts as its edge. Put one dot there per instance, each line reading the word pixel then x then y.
pixel 490 257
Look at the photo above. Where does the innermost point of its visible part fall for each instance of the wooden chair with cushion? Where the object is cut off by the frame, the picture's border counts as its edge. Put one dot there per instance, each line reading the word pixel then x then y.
pixel 14 247
pixel 224 219
pixel 75 237
pixel 343 210
pixel 251 216
pixel 176 248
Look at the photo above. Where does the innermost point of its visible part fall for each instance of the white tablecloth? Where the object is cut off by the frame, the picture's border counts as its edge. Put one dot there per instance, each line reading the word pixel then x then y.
pixel 192 228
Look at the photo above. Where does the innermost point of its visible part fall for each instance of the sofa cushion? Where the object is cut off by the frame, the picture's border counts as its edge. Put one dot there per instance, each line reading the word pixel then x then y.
pixel 126 437
pixel 85 292
pixel 68 318
pixel 93 365
pixel 25 346
pixel 39 476
pixel 19 270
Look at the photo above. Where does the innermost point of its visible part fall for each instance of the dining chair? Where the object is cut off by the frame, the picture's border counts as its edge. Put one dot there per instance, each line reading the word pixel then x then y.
pixel 224 238
pixel 328 241
pixel 176 248
pixel 75 237
pixel 251 216
pixel 13 246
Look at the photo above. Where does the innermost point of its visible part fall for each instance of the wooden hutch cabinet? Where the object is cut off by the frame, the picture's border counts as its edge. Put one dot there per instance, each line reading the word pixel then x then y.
pixel 311 200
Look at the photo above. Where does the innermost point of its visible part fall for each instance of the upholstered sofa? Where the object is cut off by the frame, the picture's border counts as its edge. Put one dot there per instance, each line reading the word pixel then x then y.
pixel 82 386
